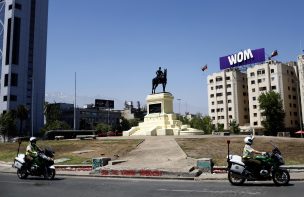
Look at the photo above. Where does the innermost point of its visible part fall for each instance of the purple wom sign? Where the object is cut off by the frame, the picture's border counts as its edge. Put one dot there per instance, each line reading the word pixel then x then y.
pixel 242 58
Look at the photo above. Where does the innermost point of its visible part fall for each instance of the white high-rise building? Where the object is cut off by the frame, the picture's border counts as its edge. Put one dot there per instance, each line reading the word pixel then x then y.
pixel 228 98
pixel 301 84
pixel 279 77
pixel 23 43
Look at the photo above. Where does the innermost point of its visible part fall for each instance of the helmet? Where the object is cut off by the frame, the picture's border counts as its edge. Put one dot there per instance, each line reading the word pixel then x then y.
pixel 248 140
pixel 33 139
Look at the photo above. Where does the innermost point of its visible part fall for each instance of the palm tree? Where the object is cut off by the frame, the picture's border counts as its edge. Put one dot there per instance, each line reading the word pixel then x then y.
pixel 22 115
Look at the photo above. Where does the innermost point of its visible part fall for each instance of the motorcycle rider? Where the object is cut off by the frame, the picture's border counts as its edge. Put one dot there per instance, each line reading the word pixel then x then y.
pixel 248 155
pixel 32 151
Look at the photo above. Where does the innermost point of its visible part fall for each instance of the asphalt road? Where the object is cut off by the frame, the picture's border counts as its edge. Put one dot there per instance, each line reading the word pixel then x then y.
pixel 11 186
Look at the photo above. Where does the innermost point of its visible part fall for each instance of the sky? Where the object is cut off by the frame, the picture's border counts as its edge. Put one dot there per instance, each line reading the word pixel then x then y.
pixel 116 46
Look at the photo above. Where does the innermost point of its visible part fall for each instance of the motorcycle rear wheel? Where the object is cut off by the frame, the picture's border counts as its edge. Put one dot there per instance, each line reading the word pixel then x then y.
pixel 281 177
pixel 22 173
pixel 49 174
pixel 235 179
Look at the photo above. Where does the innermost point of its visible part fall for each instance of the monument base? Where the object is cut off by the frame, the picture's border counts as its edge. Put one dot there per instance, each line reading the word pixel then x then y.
pixel 160 119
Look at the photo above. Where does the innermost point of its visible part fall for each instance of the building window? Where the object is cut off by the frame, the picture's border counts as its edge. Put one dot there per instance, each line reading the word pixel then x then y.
pixel 212 110
pixel 253 90
pixel 254 98
pixel 255 115
pixel 5 80
pixel 228 101
pixel 211 88
pixel 227 78
pixel 18 6
pixel 211 95
pixel 271 70
pixel 230 116
pixel 220 102
pixel 219 79
pixel 212 103
pixel 16 41
pixel 14 79
pixel 252 82
pixel 273 87
pixel 8 41
pixel 262 88
pixel 254 106
pixel 252 74
pixel 228 85
pixel 228 93
pixel 255 123
pixel 219 87
pixel 219 94
pixel 211 81
pixel 244 93
pixel 13 98
pixel 230 109
pixel 4 98
pixel 261 72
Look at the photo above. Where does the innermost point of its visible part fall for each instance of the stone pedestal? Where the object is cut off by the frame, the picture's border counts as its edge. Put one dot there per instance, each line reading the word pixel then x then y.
pixel 160 118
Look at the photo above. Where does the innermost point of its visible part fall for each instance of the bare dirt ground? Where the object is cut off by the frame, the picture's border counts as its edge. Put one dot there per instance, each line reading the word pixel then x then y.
pixel 216 147
pixel 64 149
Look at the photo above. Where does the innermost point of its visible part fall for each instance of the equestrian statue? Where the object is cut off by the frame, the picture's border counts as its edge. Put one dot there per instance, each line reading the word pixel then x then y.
pixel 161 78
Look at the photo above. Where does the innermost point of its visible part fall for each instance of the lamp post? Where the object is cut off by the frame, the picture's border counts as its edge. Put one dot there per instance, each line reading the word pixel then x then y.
pixel 75 104
pixel 179 101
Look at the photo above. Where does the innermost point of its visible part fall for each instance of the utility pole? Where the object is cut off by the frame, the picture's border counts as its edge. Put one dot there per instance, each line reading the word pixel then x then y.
pixel 75 104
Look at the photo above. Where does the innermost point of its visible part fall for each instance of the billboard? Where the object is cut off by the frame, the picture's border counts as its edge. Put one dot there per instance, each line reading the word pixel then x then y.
pixel 242 58
pixel 102 103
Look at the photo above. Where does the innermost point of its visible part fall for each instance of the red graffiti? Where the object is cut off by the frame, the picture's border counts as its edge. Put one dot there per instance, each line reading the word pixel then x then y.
pixel 150 173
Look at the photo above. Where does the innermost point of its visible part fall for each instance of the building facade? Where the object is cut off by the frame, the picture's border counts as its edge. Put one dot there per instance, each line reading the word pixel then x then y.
pixel 278 77
pixel 23 68
pixel 88 117
pixel 228 98
pixel 301 85
pixel 233 95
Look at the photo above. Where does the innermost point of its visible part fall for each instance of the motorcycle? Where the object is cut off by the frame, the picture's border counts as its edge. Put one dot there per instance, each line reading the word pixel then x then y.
pixel 42 165
pixel 270 168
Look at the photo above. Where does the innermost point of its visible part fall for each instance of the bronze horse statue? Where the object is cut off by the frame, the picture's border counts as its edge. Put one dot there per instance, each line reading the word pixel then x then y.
pixel 159 80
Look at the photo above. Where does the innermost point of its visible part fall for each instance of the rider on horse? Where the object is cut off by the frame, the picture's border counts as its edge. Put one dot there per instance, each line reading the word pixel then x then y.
pixel 159 73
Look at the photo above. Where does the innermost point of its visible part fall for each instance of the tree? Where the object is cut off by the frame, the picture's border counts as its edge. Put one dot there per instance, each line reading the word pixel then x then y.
pixel 55 125
pixel 7 124
pixel 208 127
pixel 272 106
pixel 234 127
pixel 219 128
pixel 22 115
pixel 103 128
pixel 197 123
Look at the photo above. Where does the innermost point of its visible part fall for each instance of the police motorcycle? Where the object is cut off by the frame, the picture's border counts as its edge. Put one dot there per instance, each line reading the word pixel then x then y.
pixel 270 168
pixel 42 165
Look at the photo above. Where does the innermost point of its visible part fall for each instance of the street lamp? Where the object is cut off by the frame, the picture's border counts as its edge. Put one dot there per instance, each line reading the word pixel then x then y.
pixel 179 101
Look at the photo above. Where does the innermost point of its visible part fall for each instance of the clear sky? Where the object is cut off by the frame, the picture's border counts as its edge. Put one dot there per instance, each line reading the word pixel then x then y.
pixel 115 46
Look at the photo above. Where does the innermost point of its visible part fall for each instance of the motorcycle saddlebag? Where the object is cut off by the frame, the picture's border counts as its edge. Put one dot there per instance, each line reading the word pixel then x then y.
pixel 19 161
pixel 237 168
